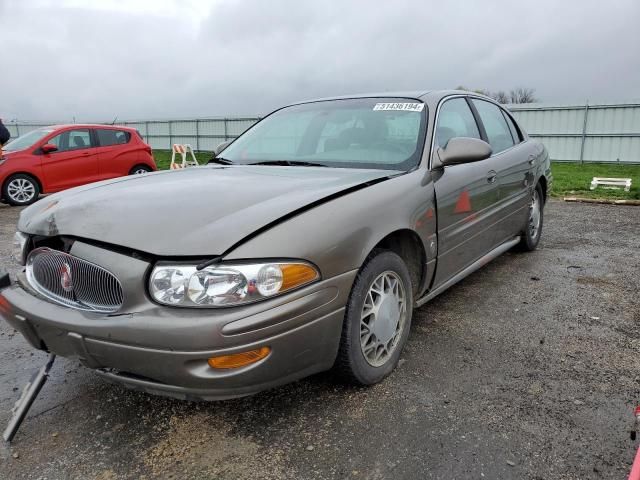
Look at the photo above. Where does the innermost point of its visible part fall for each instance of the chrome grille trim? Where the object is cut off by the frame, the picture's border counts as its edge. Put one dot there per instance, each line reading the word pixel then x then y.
pixel 73 282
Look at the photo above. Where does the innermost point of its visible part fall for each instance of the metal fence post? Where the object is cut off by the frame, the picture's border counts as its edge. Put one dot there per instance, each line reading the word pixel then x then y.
pixel 584 131
pixel 170 135
pixel 197 135
pixel 146 132
pixel 226 128
pixel 17 130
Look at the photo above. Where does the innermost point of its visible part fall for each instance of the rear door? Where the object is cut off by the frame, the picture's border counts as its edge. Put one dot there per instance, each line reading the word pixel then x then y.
pixel 466 196
pixel 513 161
pixel 74 163
pixel 117 153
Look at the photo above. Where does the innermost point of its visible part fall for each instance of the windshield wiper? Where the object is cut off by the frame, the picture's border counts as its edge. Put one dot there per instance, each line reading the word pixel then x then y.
pixel 290 163
pixel 220 160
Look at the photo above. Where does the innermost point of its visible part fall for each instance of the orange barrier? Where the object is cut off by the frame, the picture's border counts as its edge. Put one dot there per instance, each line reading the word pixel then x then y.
pixel 183 151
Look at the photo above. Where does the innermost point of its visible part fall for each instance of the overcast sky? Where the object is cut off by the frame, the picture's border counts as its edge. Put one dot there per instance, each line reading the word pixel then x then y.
pixel 139 59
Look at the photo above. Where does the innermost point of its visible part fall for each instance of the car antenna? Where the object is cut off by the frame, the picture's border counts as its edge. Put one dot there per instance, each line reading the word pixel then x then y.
pixel 114 120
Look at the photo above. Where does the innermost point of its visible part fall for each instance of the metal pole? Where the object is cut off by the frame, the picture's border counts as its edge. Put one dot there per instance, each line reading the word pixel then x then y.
pixel 170 136
pixel 197 135
pixel 29 394
pixel 584 131
pixel 225 130
pixel 146 132
pixel 17 129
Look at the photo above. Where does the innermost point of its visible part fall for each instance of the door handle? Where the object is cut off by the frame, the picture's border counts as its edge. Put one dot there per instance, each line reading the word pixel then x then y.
pixel 491 176
pixel 85 154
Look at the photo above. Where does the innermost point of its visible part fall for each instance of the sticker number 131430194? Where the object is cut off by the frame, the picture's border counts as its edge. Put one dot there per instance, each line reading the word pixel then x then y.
pixel 409 107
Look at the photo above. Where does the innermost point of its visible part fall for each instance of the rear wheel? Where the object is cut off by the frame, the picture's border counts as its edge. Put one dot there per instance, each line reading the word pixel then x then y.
pixel 139 170
pixel 20 190
pixel 377 320
pixel 533 228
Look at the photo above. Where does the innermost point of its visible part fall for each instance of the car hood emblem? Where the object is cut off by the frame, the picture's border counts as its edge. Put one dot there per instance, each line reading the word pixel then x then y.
pixel 66 280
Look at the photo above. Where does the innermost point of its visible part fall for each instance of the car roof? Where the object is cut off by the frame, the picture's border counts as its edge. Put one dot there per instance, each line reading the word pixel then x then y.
pixel 88 125
pixel 433 95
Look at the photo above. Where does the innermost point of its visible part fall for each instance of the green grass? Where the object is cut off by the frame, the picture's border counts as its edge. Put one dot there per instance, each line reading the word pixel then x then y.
pixel 573 179
pixel 163 158
pixel 569 179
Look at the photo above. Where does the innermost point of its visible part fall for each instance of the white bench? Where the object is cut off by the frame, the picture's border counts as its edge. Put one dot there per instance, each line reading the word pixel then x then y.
pixel 611 183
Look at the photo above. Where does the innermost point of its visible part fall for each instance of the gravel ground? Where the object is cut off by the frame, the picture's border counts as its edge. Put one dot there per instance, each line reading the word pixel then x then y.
pixel 528 369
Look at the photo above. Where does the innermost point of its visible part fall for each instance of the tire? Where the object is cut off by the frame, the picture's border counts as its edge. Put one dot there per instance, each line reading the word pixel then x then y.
pixel 533 230
pixel 139 170
pixel 20 189
pixel 381 269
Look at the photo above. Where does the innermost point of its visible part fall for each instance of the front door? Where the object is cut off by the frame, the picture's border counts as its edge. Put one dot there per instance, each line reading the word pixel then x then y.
pixel 466 196
pixel 74 163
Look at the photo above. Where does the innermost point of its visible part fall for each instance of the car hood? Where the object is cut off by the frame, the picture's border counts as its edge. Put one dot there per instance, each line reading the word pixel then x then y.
pixel 13 153
pixel 196 211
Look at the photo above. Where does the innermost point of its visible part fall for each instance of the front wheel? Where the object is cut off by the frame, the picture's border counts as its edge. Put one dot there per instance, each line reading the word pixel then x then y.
pixel 20 190
pixel 377 320
pixel 533 228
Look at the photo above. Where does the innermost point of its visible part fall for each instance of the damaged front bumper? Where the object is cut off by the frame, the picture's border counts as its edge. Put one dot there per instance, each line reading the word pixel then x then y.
pixel 164 350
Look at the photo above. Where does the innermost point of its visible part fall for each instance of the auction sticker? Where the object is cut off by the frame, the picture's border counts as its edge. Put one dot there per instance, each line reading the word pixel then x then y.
pixel 410 107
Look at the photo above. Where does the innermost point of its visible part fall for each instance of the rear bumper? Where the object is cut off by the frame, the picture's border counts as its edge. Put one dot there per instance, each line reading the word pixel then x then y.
pixel 303 330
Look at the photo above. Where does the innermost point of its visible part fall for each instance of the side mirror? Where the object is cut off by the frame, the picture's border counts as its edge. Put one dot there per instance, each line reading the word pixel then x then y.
pixel 48 148
pixel 464 150
pixel 218 150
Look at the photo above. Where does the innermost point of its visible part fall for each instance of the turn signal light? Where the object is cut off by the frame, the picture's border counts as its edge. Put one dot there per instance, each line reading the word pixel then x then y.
pixel 236 360
pixel 294 274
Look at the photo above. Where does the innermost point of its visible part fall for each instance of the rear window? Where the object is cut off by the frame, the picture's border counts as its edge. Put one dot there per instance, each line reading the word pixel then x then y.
pixel 495 125
pixel 109 136
pixel 514 131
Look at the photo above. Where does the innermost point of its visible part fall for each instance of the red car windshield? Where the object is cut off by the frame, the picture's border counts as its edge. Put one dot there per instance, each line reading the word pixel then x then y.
pixel 27 140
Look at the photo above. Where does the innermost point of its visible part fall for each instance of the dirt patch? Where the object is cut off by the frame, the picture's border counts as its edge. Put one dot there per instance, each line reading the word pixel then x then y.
pixel 200 446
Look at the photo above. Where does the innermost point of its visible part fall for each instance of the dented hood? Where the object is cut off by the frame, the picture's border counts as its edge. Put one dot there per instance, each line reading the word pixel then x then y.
pixel 195 211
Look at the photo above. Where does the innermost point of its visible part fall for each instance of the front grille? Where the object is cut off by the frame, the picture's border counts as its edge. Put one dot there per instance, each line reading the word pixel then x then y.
pixel 73 282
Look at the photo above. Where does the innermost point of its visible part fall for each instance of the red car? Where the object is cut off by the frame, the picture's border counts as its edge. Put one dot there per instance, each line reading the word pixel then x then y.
pixel 54 158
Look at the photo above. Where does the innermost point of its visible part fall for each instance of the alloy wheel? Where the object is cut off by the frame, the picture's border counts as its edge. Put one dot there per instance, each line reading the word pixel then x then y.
pixel 21 190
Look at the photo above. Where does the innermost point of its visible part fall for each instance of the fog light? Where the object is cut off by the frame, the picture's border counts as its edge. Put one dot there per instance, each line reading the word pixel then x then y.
pixel 236 360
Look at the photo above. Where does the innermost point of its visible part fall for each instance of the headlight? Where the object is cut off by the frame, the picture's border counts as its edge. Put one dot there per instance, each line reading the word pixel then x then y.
pixel 20 241
pixel 226 285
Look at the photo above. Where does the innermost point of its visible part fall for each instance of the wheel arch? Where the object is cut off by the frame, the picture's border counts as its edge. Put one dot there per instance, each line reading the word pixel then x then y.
pixel 543 183
pixel 406 243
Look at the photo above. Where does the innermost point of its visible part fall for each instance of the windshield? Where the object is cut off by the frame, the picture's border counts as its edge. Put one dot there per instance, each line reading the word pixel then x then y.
pixel 26 140
pixel 378 133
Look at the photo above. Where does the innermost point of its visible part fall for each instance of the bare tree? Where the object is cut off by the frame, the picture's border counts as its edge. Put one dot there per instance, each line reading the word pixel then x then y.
pixel 517 95
pixel 522 95
pixel 500 97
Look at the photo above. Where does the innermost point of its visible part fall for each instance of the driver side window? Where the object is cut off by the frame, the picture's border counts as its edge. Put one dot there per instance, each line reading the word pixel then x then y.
pixel 72 140
pixel 455 120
